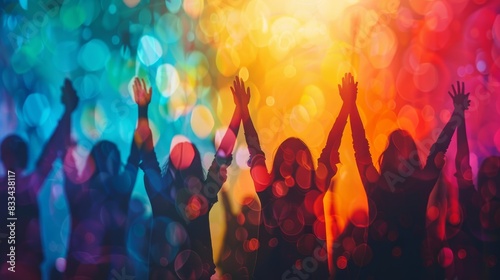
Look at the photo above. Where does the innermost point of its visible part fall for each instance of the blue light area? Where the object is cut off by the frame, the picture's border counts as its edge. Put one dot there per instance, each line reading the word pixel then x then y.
pixel 93 55
pixel 36 109
pixel 100 47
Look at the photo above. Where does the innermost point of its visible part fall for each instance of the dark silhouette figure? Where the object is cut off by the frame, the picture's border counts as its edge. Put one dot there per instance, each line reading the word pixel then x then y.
pixel 98 200
pixel 239 250
pixel 489 188
pixel 181 199
pixel 292 231
pixel 23 198
pixel 478 243
pixel 398 197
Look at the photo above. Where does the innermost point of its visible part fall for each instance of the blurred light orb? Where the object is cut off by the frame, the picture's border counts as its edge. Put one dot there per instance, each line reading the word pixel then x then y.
pixel 36 109
pixel 173 6
pixel 131 3
pixel 202 121
pixel 167 79
pixel 149 50
pixel 93 55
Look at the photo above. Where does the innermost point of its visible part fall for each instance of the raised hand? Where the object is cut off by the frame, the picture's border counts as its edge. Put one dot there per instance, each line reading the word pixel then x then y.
pixel 69 97
pixel 142 94
pixel 461 100
pixel 349 89
pixel 241 97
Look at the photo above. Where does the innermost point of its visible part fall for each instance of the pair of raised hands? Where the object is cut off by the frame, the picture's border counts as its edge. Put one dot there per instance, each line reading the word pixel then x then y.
pixel 348 91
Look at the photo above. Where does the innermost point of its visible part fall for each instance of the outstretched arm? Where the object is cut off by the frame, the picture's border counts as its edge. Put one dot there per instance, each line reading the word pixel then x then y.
pixel 462 162
pixel 142 134
pixel 217 172
pixel 330 157
pixel 144 139
pixel 435 160
pixel 257 161
pixel 467 194
pixel 60 139
pixel 369 175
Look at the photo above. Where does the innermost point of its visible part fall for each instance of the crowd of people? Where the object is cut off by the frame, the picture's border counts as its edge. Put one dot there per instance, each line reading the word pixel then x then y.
pixel 282 235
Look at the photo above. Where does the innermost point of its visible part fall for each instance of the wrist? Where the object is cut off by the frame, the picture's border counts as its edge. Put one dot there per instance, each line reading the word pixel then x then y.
pixel 143 111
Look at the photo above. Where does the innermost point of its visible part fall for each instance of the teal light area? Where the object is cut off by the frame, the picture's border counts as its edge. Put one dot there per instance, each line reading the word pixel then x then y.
pixel 88 86
pixel 145 17
pixel 72 16
pixel 65 58
pixel 169 28
pixel 149 51
pixel 36 109
pixel 23 4
pixel 86 33
pixel 112 9
pixel 93 55
pixel 100 46
pixel 173 6
pixel 115 40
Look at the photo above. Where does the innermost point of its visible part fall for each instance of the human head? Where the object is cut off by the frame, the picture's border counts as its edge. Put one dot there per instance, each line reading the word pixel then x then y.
pixel 488 178
pixel 183 163
pixel 14 153
pixel 106 158
pixel 293 163
pixel 401 151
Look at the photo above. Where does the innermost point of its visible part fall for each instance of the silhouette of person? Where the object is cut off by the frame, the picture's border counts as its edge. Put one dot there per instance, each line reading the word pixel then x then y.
pixel 239 250
pixel 98 200
pixel 14 153
pixel 489 188
pixel 181 199
pixel 292 228
pixel 398 197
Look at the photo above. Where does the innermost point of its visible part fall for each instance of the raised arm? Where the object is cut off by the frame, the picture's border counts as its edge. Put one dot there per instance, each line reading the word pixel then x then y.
pixel 369 175
pixel 438 149
pixel 144 139
pixel 59 142
pixel 257 161
pixel 462 162
pixel 217 172
pixel 330 157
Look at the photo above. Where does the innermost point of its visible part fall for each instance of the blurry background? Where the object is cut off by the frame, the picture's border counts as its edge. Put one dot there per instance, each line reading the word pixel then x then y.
pixel 292 54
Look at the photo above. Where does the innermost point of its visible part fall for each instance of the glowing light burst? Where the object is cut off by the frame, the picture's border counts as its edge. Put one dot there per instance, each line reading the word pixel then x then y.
pixel 291 53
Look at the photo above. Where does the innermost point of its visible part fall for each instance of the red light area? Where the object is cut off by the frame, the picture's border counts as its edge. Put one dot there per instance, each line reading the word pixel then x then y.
pixel 445 257
pixel 182 155
pixel 341 262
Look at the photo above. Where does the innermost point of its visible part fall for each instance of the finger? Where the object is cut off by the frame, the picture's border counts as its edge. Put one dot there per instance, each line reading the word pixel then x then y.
pixel 454 90
pixel 232 90
pixel 449 93
pixel 237 81
pixel 463 87
pixel 150 92
pixel 144 84
pixel 248 93
pixel 458 87
pixel 340 88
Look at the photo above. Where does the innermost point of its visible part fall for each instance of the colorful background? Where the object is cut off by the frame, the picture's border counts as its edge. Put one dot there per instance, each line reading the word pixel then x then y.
pixel 292 54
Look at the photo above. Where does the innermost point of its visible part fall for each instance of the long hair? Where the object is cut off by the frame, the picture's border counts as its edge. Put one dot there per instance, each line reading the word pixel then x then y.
pixel 183 163
pixel 105 158
pixel 488 178
pixel 400 149
pixel 293 164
